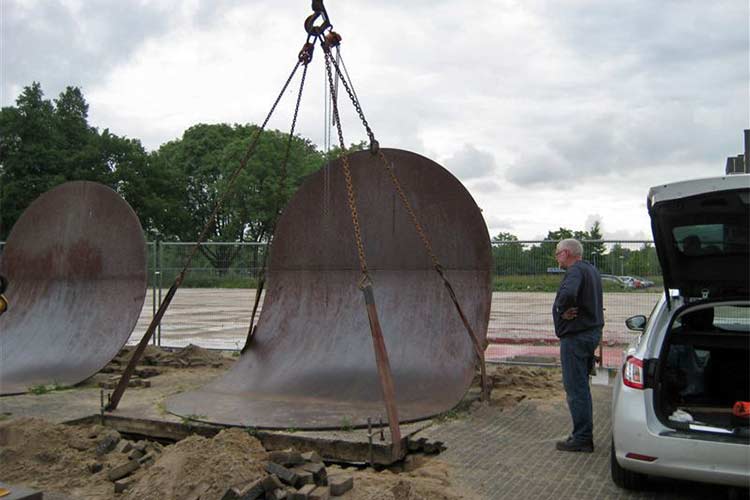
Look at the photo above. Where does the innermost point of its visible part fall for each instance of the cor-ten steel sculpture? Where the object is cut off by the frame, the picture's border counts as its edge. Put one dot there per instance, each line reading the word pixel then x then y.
pixel 310 364
pixel 75 262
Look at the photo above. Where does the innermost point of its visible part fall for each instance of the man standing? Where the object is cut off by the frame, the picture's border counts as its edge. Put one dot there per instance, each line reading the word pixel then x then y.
pixel 579 317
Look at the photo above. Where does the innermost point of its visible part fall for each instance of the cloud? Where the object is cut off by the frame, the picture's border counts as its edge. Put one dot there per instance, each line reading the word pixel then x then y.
pixel 60 43
pixel 634 89
pixel 622 234
pixel 484 186
pixel 591 220
pixel 548 112
pixel 618 234
pixel 470 163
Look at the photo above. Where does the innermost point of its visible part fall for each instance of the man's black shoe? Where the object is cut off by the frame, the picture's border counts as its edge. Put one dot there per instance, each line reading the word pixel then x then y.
pixel 570 445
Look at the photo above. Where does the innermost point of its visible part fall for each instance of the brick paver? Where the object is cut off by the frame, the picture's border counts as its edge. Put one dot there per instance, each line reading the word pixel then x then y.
pixel 511 454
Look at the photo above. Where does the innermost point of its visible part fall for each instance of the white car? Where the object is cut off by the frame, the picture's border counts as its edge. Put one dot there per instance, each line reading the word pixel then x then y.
pixel 681 399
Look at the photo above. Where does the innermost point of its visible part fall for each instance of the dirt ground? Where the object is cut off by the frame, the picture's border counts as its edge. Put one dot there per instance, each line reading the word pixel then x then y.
pixel 512 384
pixel 78 461
pixel 72 461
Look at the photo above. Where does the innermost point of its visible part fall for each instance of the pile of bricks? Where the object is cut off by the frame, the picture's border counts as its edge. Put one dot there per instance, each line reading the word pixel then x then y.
pixel 133 455
pixel 293 476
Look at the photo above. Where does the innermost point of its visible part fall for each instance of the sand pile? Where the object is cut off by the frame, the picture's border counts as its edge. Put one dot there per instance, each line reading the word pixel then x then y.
pixel 198 467
pixel 512 384
pixel 425 479
pixel 59 458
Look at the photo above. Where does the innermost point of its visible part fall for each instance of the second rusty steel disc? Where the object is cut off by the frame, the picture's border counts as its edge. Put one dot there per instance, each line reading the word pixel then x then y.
pixel 311 363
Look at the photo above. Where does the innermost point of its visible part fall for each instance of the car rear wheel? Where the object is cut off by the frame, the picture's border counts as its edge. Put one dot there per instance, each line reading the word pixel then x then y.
pixel 624 478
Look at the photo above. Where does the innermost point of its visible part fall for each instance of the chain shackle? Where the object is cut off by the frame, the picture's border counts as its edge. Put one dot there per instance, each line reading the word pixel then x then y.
pixel 331 39
pixel 306 53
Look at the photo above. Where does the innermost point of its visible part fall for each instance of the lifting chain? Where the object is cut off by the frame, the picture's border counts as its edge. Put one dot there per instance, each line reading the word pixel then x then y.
pixel 350 194
pixel 375 149
pixel 305 56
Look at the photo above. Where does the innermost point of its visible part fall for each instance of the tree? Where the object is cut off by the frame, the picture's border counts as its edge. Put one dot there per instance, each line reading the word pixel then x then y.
pixel 550 244
pixel 28 164
pixel 78 147
pixel 594 249
pixel 202 163
pixel 153 193
pixel 507 253
pixel 504 237
pixel 45 143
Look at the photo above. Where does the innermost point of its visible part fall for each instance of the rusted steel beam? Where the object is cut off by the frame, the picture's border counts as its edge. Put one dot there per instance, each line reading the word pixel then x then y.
pixel 384 371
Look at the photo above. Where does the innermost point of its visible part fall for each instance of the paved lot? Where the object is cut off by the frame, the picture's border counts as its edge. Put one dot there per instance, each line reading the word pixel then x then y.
pixel 520 323
pixel 511 454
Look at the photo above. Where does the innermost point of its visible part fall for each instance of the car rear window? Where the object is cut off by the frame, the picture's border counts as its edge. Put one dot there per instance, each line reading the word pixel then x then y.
pixel 710 239
pixel 734 318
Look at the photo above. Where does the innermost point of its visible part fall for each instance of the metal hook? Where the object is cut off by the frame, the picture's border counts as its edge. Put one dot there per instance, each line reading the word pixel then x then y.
pixel 319 10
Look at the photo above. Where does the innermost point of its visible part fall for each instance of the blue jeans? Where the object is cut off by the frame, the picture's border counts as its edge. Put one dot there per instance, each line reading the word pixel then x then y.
pixel 576 356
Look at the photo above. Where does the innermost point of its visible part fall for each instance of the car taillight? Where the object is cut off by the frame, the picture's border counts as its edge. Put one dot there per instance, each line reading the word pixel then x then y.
pixel 632 372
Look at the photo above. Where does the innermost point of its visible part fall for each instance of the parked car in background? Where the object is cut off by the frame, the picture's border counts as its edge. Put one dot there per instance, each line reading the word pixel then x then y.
pixel 643 282
pixel 634 282
pixel 681 401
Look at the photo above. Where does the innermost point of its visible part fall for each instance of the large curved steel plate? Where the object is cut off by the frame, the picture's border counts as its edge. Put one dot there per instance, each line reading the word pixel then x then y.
pixel 76 265
pixel 311 364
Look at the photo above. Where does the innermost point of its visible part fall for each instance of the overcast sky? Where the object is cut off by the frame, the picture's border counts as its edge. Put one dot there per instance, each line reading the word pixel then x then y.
pixel 551 112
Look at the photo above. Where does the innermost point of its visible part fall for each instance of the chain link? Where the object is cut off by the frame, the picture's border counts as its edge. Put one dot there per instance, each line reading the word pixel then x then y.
pixel 394 178
pixel 350 93
pixel 350 194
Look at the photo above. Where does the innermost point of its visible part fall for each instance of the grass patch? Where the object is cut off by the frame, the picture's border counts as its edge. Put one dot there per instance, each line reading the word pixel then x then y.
pixel 189 419
pixel 346 424
pixel 450 415
pixel 40 389
pixel 161 407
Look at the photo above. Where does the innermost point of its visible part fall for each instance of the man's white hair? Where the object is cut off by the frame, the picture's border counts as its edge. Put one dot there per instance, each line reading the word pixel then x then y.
pixel 571 245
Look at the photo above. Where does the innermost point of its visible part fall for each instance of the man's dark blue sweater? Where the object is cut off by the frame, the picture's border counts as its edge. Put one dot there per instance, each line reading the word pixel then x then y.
pixel 582 288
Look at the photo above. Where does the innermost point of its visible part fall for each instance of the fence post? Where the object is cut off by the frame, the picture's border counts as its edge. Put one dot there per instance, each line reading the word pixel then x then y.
pixel 153 282
pixel 158 278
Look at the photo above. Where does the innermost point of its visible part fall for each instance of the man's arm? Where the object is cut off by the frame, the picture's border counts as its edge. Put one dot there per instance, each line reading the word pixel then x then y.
pixel 568 293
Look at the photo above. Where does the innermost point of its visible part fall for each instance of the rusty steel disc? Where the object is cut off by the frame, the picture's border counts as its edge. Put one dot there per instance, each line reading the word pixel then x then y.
pixel 76 267
pixel 311 363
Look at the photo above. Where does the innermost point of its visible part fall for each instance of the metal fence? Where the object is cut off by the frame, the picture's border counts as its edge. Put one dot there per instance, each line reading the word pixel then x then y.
pixel 213 307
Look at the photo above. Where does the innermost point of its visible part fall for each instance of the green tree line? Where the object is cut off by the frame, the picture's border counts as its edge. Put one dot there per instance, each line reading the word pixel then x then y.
pixel 173 190
pixel 511 257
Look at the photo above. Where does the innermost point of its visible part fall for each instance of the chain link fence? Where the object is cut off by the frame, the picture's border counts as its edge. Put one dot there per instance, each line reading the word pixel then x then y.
pixel 213 307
